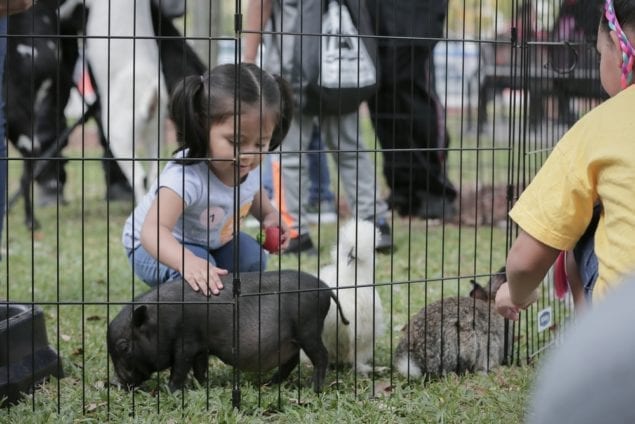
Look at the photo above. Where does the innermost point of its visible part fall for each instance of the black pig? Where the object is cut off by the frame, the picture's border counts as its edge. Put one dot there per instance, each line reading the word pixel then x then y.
pixel 174 327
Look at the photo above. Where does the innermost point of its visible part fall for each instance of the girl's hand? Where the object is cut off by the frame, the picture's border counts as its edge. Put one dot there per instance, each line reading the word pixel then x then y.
pixel 272 219
pixel 507 308
pixel 203 276
pixel 504 304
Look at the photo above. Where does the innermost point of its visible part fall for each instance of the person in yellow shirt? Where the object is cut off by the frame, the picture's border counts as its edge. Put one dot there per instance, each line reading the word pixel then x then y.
pixel 593 163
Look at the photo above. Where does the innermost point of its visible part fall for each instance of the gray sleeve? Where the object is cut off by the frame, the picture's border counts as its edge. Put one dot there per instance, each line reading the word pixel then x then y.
pixel 184 180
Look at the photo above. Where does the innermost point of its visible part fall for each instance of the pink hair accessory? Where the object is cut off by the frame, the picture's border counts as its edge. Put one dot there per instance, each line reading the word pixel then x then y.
pixel 628 52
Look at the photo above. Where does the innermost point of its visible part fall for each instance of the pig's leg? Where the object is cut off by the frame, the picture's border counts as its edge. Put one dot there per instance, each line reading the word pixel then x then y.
pixel 200 367
pixel 285 369
pixel 181 365
pixel 319 356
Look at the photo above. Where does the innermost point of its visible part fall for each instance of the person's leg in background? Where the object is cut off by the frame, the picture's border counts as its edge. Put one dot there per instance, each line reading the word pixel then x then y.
pixel 409 125
pixel 353 163
pixel 269 189
pixel 321 203
pixel 267 175
pixel 321 207
pixel 295 180
pixel 3 142
pixel 406 113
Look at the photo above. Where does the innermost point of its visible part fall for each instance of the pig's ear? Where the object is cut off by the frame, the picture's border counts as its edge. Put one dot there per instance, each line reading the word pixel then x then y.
pixel 140 315
pixel 478 292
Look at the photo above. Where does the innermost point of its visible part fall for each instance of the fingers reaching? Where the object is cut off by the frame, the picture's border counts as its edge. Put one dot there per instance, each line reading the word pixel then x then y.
pixel 206 280
pixel 504 304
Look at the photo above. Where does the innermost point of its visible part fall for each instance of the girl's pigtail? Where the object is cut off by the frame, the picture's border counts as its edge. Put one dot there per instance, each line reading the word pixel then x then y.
pixel 628 52
pixel 286 113
pixel 188 107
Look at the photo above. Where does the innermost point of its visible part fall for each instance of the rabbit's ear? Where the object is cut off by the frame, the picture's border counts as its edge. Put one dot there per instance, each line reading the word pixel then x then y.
pixel 497 280
pixel 478 292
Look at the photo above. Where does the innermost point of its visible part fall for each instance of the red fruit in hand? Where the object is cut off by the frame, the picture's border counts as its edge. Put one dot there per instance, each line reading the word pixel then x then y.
pixel 272 239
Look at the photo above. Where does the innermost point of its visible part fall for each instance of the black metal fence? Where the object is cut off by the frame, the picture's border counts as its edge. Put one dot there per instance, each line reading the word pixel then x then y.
pixel 461 113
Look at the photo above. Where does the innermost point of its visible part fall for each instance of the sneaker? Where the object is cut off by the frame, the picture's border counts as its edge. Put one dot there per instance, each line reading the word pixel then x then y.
pixel 301 244
pixel 434 207
pixel 323 212
pixel 384 243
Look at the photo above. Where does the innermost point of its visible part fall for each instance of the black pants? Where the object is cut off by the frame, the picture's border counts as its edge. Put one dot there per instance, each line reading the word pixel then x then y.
pixel 407 114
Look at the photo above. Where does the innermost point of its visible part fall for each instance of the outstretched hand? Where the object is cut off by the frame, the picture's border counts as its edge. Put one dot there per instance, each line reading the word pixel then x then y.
pixel 203 276
pixel 507 308
pixel 504 304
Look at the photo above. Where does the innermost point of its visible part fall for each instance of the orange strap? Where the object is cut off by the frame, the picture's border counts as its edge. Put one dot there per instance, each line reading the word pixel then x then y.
pixel 278 196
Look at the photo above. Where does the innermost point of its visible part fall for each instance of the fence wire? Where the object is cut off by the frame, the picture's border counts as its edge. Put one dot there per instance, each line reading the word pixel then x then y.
pixel 466 101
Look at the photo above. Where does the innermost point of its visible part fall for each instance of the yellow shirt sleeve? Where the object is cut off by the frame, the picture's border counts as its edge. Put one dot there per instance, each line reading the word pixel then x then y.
pixel 557 205
pixel 593 162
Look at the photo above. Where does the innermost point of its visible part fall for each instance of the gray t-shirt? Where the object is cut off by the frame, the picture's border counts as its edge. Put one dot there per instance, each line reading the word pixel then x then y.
pixel 208 216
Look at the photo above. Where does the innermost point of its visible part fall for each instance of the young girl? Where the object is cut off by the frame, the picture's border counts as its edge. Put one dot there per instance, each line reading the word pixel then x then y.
pixel 185 225
pixel 594 163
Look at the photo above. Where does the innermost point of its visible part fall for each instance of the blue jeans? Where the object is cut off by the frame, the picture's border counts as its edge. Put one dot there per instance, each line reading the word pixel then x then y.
pixel 152 272
pixel 320 188
pixel 584 254
pixel 3 144
pixel 267 176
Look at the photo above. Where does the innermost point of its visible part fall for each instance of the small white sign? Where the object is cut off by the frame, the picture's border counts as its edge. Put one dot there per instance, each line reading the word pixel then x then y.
pixel 545 318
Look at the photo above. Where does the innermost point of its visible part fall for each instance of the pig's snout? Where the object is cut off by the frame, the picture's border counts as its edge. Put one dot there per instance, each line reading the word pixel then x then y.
pixel 128 378
pixel 117 384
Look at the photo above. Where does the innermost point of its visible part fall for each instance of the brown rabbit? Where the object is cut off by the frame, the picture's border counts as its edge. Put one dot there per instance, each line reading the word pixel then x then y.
pixel 455 334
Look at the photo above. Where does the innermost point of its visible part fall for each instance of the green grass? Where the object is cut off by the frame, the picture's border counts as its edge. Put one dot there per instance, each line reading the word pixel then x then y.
pixel 75 265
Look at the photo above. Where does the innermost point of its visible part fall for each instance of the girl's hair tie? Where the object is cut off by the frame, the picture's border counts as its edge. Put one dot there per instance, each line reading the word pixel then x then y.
pixel 628 53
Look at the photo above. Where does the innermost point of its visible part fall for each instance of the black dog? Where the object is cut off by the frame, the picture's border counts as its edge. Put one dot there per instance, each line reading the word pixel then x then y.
pixel 174 327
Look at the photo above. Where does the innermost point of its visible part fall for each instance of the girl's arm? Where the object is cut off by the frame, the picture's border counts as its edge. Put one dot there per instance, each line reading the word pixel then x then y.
pixel 157 239
pixel 527 264
pixel 263 211
pixel 257 16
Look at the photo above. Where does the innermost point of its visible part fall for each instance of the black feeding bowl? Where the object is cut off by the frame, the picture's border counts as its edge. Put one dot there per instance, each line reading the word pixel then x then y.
pixel 26 359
